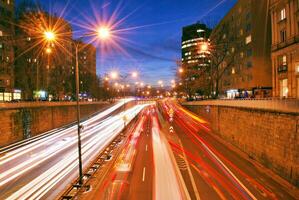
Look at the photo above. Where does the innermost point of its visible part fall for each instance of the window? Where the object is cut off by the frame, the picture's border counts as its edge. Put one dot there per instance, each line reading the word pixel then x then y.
pixel 242 54
pixel 283 14
pixel 284 60
pixel 283 86
pixel 233 71
pixel 241 32
pixel 1 33
pixel 283 35
pixel 249 52
pixel 248 39
pixel 297 68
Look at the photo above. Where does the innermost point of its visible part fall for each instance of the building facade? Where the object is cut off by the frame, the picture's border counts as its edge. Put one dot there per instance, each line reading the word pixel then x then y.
pixel 285 48
pixel 87 68
pixel 246 30
pixel 6 50
pixel 194 59
pixel 43 68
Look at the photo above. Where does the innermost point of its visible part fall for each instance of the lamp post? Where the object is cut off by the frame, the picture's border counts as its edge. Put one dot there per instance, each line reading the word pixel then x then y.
pixel 49 36
pixel 102 33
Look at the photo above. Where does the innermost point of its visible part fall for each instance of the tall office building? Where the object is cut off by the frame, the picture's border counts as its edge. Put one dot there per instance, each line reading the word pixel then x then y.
pixel 193 36
pixel 247 30
pixel 285 48
pixel 6 50
pixel 194 60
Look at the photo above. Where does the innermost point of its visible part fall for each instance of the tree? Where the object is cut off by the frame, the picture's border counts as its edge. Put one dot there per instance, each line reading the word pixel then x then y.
pixel 222 57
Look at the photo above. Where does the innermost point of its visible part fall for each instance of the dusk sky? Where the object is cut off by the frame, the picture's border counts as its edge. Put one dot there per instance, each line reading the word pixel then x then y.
pixel 152 45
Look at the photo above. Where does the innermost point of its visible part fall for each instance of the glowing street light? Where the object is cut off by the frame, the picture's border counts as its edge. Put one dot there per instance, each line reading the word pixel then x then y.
pixel 48 50
pixel 103 33
pixel 181 70
pixel 134 74
pixel 114 75
pixel 49 35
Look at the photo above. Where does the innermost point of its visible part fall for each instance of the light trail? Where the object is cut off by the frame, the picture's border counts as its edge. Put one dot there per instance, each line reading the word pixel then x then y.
pixel 54 161
pixel 166 183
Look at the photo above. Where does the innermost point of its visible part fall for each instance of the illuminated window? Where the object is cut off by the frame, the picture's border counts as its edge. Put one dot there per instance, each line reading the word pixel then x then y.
pixel 242 54
pixel 297 66
pixel 233 71
pixel 284 60
pixel 241 32
pixel 283 86
pixel 248 39
pixel 1 33
pixel 283 14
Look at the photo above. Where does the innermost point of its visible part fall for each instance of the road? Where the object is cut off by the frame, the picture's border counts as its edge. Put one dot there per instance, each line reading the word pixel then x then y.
pixel 145 169
pixel 168 153
pixel 217 170
pixel 41 169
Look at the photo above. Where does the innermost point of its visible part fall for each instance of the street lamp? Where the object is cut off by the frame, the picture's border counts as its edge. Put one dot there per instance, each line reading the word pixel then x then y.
pixel 49 36
pixel 102 33
pixel 181 70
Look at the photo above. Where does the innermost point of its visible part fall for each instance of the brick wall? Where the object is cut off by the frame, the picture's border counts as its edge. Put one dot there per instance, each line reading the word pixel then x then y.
pixel 20 123
pixel 269 137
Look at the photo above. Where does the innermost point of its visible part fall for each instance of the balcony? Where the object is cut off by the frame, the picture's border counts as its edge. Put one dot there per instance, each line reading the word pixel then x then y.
pixel 282 69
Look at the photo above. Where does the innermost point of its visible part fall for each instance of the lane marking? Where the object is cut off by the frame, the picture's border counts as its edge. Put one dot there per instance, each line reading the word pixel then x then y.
pixel 143 174
pixel 145 147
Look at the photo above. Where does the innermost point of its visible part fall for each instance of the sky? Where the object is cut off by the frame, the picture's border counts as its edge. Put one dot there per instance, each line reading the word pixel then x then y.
pixel 146 33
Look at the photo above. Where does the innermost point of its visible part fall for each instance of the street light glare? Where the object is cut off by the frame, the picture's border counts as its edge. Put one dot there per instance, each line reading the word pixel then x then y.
pixel 48 50
pixel 114 75
pixel 49 35
pixel 134 74
pixel 104 33
pixel 204 47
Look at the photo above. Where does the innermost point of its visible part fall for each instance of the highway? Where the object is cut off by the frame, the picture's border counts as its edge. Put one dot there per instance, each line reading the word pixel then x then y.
pixel 43 168
pixel 167 153
pixel 146 167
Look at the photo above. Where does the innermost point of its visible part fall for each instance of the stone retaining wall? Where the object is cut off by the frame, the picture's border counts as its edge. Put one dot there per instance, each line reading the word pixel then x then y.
pixel 21 122
pixel 272 138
